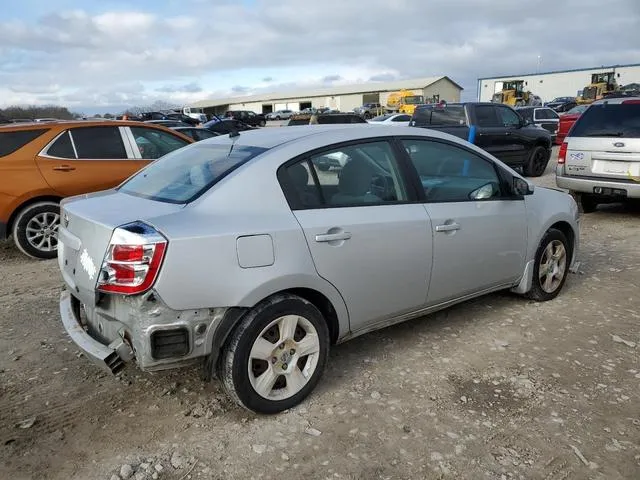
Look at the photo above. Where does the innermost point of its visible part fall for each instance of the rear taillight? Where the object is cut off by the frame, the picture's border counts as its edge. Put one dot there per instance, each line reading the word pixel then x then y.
pixel 133 260
pixel 562 154
pixel 631 102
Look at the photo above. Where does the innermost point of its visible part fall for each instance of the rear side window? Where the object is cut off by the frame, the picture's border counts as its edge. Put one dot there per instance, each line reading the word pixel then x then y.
pixel 609 120
pixel 184 174
pixel 99 143
pixel 450 115
pixel 487 116
pixel 12 141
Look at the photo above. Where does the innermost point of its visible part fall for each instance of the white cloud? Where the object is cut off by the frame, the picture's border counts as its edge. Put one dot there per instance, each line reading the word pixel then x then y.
pixel 216 49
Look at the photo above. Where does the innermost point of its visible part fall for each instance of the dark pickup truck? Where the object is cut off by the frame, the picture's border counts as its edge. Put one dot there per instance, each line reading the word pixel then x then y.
pixel 496 128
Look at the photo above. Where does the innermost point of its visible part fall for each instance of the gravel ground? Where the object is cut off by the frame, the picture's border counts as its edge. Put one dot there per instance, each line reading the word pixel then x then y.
pixel 496 388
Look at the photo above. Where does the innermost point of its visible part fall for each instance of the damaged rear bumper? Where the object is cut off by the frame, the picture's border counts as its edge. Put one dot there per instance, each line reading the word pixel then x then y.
pixel 120 329
pixel 107 357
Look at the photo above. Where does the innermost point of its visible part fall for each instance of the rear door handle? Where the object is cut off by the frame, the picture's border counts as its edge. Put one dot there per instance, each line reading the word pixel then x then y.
pixel 64 168
pixel 447 227
pixel 332 237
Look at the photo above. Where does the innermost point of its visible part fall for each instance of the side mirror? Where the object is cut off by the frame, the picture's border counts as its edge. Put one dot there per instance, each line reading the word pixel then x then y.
pixel 522 187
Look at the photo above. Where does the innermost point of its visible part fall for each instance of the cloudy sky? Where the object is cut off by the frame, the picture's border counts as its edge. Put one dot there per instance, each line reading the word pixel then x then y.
pixel 101 55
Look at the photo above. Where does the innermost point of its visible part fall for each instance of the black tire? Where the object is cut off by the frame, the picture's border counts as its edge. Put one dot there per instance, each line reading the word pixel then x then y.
pixel 234 364
pixel 537 162
pixel 22 220
pixel 588 203
pixel 278 118
pixel 323 168
pixel 538 292
pixel 262 123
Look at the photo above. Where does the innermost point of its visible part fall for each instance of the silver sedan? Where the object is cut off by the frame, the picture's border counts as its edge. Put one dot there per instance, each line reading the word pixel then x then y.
pixel 241 254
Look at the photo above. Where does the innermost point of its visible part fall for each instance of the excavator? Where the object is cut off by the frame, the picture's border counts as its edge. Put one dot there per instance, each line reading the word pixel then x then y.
pixel 404 101
pixel 601 85
pixel 513 94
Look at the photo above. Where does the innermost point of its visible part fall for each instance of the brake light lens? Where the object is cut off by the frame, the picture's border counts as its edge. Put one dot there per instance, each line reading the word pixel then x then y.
pixel 631 102
pixel 562 154
pixel 133 260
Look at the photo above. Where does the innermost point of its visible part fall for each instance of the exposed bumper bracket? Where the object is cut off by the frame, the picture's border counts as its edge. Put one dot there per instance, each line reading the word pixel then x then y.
pixel 105 357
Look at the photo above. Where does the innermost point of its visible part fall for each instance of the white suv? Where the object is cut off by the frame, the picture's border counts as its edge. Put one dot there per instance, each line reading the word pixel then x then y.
pixel 599 161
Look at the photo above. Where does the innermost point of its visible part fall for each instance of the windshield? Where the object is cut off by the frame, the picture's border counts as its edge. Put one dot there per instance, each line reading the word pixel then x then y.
pixel 613 120
pixel 413 99
pixel 185 174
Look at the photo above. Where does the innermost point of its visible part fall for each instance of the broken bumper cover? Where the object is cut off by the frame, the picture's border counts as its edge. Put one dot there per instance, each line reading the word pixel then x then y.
pixel 104 356
pixel 142 328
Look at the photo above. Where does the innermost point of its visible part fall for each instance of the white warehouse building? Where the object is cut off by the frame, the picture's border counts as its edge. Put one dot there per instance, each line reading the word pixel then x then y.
pixel 341 97
pixel 561 83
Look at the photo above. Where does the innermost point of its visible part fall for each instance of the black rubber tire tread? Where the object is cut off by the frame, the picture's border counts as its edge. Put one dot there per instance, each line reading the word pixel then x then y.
pixel 537 293
pixel 20 225
pixel 529 168
pixel 233 364
pixel 588 204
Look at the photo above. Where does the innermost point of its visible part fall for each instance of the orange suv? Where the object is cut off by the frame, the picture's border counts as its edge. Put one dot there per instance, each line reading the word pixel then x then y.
pixel 41 163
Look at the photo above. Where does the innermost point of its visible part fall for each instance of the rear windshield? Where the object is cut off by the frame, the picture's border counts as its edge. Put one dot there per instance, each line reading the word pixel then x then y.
pixel 183 175
pixel 12 141
pixel 450 115
pixel 609 120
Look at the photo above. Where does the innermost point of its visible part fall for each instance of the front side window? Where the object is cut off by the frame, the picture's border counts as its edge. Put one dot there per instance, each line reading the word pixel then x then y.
pixel 203 134
pixel 354 175
pixel 508 117
pixel 487 116
pixel 452 174
pixel 99 143
pixel 185 174
pixel 401 118
pixel 153 143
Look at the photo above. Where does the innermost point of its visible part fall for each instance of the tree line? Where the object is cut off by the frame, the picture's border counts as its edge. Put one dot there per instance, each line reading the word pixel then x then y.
pixel 63 113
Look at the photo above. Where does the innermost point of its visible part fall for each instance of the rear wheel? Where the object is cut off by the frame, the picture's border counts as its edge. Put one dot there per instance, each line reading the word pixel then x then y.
pixel 552 262
pixel 537 162
pixel 262 123
pixel 276 356
pixel 35 230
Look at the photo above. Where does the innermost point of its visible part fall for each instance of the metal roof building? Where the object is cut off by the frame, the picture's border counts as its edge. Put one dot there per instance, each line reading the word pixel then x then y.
pixel 559 83
pixel 341 97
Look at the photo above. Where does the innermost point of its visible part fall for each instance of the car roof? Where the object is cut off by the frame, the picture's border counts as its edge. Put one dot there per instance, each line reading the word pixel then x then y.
pixel 615 100
pixel 271 137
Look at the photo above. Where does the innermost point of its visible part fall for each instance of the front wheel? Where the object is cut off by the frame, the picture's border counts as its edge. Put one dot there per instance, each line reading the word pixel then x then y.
pixel 537 162
pixel 262 123
pixel 552 262
pixel 35 230
pixel 276 356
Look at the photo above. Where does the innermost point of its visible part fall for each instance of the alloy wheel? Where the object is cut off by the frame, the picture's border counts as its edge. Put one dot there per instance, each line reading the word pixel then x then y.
pixel 42 231
pixel 553 264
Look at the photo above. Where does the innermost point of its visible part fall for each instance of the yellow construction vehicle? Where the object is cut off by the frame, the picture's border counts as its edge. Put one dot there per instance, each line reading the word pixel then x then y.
pixel 513 94
pixel 601 84
pixel 404 101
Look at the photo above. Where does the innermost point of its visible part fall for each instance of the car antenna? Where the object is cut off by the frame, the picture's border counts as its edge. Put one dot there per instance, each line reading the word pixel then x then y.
pixel 233 134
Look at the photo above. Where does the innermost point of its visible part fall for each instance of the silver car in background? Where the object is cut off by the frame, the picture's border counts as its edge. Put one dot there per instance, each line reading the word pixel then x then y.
pixel 239 253
pixel 599 160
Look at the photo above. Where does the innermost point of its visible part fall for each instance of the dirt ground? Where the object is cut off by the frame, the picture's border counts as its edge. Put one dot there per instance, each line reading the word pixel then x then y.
pixel 496 388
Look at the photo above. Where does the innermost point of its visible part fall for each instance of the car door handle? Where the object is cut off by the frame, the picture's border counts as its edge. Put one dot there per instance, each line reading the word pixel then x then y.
pixel 332 237
pixel 447 227
pixel 64 168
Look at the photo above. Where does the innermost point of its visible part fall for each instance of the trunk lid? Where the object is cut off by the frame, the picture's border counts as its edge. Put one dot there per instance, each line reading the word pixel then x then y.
pixel 610 157
pixel 85 230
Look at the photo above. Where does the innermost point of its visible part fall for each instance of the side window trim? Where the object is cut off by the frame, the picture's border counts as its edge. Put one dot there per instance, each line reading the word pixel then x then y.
pixel 45 151
pixel 500 174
